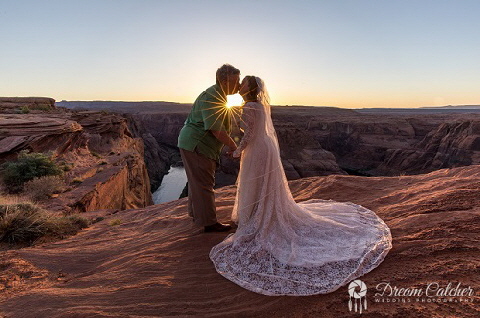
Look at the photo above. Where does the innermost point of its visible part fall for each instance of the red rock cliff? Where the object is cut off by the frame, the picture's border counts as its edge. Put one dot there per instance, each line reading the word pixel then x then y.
pixel 108 169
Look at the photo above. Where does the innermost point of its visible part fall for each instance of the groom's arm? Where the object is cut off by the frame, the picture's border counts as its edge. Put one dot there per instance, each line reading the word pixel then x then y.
pixel 225 139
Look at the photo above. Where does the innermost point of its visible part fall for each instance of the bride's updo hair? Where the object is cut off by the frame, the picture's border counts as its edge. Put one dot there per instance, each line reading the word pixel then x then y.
pixel 252 89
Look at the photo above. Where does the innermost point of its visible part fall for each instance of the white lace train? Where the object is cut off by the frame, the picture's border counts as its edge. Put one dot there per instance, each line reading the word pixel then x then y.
pixel 286 248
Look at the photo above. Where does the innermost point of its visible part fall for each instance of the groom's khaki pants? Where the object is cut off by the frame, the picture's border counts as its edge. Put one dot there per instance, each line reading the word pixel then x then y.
pixel 201 179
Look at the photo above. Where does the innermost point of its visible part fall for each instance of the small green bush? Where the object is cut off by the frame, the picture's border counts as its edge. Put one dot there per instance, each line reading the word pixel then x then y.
pixel 25 110
pixel 27 167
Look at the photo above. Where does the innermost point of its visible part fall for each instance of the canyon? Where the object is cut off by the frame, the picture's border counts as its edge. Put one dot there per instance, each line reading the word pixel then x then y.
pixel 316 141
pixel 419 172
pixel 136 141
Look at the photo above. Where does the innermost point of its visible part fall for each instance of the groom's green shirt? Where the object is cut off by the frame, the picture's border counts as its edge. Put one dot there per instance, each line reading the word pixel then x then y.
pixel 209 112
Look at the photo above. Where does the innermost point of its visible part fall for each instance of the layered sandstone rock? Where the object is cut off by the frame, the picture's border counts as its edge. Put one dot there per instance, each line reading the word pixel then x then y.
pixel 37 132
pixel 448 145
pixel 326 140
pixel 107 163
pixel 17 104
pixel 393 144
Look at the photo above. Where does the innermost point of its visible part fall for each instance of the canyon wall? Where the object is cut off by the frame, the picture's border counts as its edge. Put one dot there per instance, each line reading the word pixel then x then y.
pixel 302 155
pixel 159 132
pixel 107 168
pixel 323 141
pixel 376 145
pixel 317 141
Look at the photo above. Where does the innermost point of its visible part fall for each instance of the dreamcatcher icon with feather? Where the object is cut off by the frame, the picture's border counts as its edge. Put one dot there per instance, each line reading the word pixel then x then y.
pixel 357 291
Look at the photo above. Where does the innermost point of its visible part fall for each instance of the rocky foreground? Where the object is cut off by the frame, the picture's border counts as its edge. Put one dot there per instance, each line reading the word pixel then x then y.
pixel 155 263
pixel 106 167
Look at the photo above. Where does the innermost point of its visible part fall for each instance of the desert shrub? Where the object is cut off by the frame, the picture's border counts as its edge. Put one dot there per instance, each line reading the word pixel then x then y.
pixel 24 223
pixel 77 220
pixel 41 188
pixel 27 207
pixel 65 166
pixel 21 223
pixel 65 226
pixel 27 167
pixel 24 110
pixel 41 107
pixel 98 219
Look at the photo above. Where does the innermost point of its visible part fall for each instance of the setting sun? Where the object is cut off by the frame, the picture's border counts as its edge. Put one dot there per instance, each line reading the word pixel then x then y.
pixel 234 100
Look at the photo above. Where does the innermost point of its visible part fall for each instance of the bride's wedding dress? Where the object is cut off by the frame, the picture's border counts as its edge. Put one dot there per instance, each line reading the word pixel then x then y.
pixel 286 248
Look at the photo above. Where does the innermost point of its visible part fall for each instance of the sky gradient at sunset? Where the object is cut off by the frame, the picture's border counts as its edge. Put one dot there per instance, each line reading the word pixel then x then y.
pixel 326 53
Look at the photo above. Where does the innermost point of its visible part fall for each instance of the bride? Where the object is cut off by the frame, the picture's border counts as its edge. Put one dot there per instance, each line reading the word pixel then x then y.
pixel 282 247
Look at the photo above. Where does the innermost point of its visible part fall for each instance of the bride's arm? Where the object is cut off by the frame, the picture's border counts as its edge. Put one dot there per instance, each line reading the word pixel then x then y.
pixel 248 118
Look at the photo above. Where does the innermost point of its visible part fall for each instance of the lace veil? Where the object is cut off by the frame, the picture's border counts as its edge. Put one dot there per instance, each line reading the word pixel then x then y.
pixel 264 99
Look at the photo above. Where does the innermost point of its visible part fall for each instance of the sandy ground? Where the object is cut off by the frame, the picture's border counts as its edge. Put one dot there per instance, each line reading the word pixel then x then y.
pixel 156 264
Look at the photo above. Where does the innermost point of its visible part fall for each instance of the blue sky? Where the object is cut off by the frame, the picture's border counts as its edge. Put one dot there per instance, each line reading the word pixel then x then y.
pixel 333 53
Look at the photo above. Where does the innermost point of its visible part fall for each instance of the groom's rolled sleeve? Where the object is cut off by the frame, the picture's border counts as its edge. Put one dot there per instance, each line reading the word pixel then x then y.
pixel 213 116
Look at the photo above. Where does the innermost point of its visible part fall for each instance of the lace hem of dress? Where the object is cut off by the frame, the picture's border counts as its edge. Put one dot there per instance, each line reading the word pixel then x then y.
pixel 256 269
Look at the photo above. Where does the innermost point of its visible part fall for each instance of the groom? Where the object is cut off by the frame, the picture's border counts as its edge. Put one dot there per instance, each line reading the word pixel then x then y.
pixel 205 132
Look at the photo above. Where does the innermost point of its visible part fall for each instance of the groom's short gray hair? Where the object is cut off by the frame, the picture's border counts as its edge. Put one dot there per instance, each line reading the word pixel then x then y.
pixel 226 70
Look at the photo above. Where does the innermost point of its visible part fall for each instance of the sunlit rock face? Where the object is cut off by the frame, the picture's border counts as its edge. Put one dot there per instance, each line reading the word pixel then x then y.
pixel 97 146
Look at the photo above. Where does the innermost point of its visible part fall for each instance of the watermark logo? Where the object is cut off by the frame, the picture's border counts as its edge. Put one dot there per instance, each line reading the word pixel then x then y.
pixel 430 293
pixel 433 292
pixel 357 290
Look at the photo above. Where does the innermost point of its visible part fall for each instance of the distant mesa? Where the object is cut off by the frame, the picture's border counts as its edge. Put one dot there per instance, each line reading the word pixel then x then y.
pixel 127 107
pixel 8 104
pixel 453 107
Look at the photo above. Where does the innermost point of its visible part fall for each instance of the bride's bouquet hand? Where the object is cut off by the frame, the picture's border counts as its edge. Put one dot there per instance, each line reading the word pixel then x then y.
pixel 233 154
pixel 229 152
pixel 236 154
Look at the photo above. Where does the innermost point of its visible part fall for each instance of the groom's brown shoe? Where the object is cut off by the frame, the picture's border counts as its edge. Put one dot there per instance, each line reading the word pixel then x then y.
pixel 217 227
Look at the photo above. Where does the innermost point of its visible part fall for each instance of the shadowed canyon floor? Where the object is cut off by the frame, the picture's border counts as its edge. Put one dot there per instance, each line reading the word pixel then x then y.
pixel 155 262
